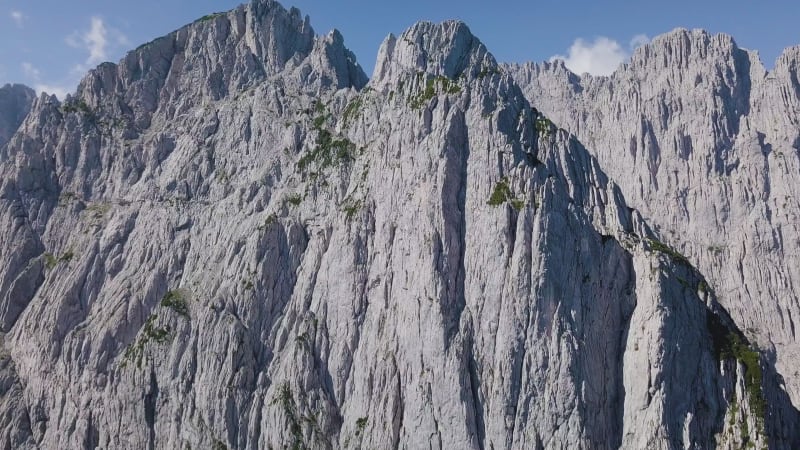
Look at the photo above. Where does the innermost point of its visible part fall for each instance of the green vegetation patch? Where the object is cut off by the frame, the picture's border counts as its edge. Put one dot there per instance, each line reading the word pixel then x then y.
pixel 77 106
pixel 51 261
pixel 516 203
pixel 350 208
pixel 489 71
pixel 98 210
pixel 104 126
pixel 208 17
pixel 433 86
pixel 67 198
pixel 294 199
pixel 150 333
pixel 502 194
pixel 176 301
pixel 328 151
pixel 285 399
pixel 222 175
pixel 669 251
pixel 218 445
pixel 352 110
pixel 543 126
pixel 361 424
pixel 271 219
pixel 319 121
pixel 730 345
pixel 737 349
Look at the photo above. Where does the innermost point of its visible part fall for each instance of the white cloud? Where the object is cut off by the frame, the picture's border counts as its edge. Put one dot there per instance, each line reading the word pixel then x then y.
pixel 120 38
pixel 30 71
pixel 18 17
pixel 59 91
pixel 98 41
pixel 35 78
pixel 600 57
pixel 639 40
pixel 74 40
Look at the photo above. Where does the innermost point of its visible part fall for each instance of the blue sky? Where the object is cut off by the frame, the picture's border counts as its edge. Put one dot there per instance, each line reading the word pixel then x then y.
pixel 49 45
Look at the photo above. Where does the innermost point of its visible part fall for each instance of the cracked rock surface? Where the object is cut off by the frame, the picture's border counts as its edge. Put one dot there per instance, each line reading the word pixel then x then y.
pixel 705 142
pixel 233 239
pixel 15 103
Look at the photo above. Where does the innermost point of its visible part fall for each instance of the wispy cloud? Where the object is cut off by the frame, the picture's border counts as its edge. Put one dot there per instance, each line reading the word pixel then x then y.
pixel 34 77
pixel 59 91
pixel 18 17
pixel 94 41
pixel 98 41
pixel 599 57
pixel 639 40
pixel 30 71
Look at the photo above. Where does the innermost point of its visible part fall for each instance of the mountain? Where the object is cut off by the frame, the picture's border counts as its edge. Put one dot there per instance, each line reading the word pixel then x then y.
pixel 15 103
pixel 706 144
pixel 233 239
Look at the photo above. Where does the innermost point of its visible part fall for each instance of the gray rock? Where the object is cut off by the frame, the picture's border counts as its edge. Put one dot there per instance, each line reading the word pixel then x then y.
pixel 15 103
pixel 704 142
pixel 227 241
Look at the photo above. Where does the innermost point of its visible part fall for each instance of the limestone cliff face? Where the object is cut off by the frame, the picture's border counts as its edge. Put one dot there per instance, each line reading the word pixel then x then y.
pixel 15 103
pixel 704 142
pixel 232 240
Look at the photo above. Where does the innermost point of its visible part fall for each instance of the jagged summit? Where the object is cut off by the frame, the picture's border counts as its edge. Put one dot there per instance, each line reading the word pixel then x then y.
pixel 332 65
pixel 682 48
pixel 446 49
pixel 704 141
pixel 221 242
pixel 218 55
pixel 674 50
pixel 15 103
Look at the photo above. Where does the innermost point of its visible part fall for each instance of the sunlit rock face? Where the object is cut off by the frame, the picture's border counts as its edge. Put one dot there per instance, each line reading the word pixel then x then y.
pixel 704 142
pixel 233 239
pixel 15 103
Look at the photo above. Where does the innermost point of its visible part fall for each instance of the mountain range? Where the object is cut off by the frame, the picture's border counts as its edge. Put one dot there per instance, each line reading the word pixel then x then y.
pixel 233 238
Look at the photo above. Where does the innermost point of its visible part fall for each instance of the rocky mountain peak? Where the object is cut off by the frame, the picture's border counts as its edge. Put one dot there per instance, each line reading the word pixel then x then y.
pixel 703 141
pixel 331 65
pixel 15 103
pixel 446 49
pixel 682 48
pixel 788 66
pixel 220 243
pixel 215 57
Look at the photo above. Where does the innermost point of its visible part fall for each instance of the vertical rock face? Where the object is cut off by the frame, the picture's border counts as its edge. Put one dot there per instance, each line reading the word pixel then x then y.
pixel 15 103
pixel 229 241
pixel 704 141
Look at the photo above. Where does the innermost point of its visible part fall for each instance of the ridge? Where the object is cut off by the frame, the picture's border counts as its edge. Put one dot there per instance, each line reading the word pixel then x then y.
pixel 271 257
pixel 447 49
pixel 15 104
pixel 251 43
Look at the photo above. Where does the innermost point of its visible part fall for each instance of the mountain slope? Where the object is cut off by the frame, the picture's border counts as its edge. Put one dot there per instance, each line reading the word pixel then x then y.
pixel 15 103
pixel 265 253
pixel 704 141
